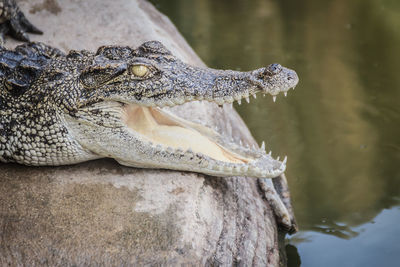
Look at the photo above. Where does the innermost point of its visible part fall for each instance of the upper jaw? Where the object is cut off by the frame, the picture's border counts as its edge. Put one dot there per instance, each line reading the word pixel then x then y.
pixel 226 86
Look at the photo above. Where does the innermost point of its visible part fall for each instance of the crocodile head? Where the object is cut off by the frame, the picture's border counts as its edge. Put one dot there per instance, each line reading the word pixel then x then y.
pixel 58 109
pixel 119 111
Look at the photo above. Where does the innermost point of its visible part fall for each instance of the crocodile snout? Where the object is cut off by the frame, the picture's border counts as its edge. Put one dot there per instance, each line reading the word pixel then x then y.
pixel 274 79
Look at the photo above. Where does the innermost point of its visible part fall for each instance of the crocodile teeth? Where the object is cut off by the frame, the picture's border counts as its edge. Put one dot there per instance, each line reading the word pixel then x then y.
pixel 274 98
pixel 255 96
pixel 216 167
pixel 205 163
pixel 239 101
pixel 285 160
pixel 263 146
pixel 256 170
pixel 285 93
pixel 248 99
pixel 244 168
pixel 228 168
pixel 236 169
pixel 277 158
pixel 270 153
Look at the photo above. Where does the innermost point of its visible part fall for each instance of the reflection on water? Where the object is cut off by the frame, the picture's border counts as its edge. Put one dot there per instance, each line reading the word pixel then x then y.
pixel 335 229
pixel 375 245
pixel 341 126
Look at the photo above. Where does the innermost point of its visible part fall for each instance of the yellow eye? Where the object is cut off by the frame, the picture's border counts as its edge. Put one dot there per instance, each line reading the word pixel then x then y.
pixel 139 70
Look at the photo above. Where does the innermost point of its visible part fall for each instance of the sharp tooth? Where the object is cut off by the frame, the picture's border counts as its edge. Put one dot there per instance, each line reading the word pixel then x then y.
pixel 263 146
pixel 285 93
pixel 270 153
pixel 227 167
pixel 285 160
pixel 248 99
pixel 255 96
pixel 256 170
pixel 235 169
pixel 239 101
pixel 263 95
pixel 244 168
pixel 216 167
pixel 277 158
pixel 240 143
pixel 204 163
pixel 274 98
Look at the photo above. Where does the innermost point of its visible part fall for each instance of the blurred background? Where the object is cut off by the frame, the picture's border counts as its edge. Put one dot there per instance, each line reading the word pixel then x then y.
pixel 341 126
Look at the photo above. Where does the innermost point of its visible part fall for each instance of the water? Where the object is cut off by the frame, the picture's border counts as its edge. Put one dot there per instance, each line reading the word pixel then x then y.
pixel 341 126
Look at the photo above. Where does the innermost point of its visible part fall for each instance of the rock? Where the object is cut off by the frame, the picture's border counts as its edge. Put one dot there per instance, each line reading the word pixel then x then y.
pixel 100 212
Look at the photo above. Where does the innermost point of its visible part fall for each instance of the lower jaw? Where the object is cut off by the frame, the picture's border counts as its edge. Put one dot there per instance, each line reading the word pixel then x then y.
pixel 165 131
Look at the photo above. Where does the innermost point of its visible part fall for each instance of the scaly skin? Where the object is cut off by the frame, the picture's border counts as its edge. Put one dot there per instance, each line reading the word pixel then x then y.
pixel 58 109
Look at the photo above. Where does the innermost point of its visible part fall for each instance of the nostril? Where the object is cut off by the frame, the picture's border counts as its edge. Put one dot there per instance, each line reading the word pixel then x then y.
pixel 291 76
pixel 273 69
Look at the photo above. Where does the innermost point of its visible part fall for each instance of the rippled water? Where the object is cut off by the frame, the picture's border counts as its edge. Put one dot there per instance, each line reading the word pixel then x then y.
pixel 341 126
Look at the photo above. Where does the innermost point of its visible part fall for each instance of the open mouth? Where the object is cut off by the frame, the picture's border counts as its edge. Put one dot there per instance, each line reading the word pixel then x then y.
pixel 160 139
pixel 167 132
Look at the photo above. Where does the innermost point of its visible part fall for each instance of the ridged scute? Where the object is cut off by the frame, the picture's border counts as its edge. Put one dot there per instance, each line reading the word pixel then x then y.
pixel 115 52
pixel 20 68
pixel 153 47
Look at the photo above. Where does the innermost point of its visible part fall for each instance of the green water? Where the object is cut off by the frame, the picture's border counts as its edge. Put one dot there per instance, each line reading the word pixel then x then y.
pixel 341 126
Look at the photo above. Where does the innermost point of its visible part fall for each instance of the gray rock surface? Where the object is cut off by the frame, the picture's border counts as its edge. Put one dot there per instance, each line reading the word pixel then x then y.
pixel 100 212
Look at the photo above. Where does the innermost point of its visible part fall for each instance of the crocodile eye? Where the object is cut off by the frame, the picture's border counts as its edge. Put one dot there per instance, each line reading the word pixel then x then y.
pixel 139 70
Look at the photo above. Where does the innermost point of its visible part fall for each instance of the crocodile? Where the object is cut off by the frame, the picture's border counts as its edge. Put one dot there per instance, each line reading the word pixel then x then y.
pixel 61 108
